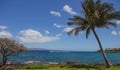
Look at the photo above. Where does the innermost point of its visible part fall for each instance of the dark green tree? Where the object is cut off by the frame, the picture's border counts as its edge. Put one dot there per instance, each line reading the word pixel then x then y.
pixel 95 15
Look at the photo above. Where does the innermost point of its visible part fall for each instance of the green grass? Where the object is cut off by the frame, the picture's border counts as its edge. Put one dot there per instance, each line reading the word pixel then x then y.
pixel 64 67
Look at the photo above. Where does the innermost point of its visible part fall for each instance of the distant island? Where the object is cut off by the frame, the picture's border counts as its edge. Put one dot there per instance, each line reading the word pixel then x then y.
pixel 47 50
pixel 111 50
pixel 55 50
pixel 38 49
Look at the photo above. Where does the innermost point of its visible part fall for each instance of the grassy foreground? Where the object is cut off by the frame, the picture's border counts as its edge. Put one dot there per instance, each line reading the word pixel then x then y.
pixel 58 67
pixel 65 67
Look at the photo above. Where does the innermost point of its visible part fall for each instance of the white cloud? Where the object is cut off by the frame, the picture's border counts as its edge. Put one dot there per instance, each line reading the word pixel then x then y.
pixel 114 33
pixel 67 29
pixel 118 22
pixel 69 10
pixel 33 36
pixel 3 27
pixel 4 34
pixel 47 32
pixel 55 13
pixel 58 35
pixel 57 25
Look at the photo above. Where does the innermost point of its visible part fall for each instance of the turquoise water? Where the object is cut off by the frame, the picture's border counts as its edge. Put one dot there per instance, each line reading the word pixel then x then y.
pixel 80 57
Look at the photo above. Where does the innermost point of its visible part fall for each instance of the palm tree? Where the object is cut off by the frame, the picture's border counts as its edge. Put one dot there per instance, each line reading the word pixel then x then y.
pixel 95 15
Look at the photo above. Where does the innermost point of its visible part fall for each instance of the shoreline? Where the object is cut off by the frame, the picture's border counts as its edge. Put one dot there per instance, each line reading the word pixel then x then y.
pixel 39 62
pixel 59 66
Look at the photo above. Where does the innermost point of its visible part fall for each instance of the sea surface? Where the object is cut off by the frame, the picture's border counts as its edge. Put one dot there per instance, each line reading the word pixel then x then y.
pixel 79 57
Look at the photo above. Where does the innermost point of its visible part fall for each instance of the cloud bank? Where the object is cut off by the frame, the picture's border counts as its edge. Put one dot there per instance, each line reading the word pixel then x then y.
pixel 33 36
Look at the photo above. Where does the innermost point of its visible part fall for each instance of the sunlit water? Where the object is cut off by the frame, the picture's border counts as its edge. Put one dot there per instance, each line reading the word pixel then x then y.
pixel 79 57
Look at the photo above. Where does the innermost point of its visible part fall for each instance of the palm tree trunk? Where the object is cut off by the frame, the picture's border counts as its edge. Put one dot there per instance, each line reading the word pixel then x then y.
pixel 108 64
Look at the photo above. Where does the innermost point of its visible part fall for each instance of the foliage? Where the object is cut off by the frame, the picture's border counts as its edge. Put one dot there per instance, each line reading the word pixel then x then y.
pixel 9 47
pixel 115 50
pixel 95 15
pixel 64 67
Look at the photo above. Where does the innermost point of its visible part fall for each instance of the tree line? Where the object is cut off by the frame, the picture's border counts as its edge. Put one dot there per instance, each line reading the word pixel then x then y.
pixel 111 50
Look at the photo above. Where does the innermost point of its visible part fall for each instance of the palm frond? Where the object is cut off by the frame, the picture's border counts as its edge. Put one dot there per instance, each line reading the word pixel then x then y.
pixel 95 15
pixel 70 23
pixel 112 24
pixel 70 32
pixel 77 21
pixel 76 30
pixel 87 32
pixel 106 7
pixel 114 15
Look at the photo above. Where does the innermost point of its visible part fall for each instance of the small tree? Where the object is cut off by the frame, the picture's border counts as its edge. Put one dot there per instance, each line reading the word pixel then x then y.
pixel 9 47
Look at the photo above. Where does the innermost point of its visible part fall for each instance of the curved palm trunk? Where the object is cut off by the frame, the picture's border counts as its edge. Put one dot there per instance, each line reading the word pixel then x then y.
pixel 108 64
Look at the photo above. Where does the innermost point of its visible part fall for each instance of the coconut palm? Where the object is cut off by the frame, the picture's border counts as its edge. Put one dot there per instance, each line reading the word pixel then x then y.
pixel 95 15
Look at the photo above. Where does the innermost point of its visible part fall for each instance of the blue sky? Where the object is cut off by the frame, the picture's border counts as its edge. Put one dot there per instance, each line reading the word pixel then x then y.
pixel 42 24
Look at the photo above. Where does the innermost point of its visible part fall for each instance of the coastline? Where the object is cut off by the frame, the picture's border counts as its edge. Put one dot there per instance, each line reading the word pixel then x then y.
pixel 60 66
pixel 39 62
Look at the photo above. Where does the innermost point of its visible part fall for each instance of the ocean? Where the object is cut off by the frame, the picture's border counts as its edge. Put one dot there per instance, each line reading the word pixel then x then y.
pixel 78 57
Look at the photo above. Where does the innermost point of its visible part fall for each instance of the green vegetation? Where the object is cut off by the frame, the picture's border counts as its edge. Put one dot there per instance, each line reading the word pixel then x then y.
pixel 111 50
pixel 95 15
pixel 64 67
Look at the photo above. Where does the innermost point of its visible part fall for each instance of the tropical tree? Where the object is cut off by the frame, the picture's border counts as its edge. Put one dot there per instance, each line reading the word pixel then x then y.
pixel 9 47
pixel 95 15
